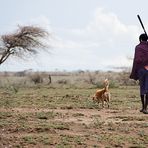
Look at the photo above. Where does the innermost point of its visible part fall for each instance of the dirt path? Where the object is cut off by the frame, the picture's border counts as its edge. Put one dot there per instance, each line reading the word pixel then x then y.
pixel 86 115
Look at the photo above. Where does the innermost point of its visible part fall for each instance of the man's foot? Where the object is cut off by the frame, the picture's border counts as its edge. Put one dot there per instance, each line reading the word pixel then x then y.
pixel 141 110
pixel 145 111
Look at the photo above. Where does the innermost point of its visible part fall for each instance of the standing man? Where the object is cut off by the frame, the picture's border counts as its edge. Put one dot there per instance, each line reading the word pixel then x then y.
pixel 140 70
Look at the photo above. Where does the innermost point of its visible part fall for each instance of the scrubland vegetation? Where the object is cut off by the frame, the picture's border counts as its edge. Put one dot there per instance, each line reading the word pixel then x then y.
pixel 55 109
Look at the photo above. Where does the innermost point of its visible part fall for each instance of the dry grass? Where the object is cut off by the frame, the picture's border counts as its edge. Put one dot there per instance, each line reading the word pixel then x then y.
pixel 47 116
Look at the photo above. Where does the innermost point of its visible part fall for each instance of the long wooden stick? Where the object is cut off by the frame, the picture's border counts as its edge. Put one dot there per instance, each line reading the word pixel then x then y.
pixel 141 24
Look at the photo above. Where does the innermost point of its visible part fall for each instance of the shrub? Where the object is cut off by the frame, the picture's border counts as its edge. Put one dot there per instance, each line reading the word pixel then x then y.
pixel 63 81
pixel 36 78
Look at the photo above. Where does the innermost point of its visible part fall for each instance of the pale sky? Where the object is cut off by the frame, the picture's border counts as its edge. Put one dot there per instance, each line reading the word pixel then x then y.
pixel 86 34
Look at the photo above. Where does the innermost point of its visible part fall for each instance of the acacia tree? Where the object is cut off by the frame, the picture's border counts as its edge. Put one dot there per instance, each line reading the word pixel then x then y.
pixel 27 39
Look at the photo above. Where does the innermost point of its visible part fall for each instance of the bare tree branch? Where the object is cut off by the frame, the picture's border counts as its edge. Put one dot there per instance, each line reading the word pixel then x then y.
pixel 27 39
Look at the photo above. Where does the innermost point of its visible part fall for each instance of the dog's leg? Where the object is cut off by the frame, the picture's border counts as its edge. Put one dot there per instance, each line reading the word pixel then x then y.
pixel 102 103
pixel 109 96
pixel 107 103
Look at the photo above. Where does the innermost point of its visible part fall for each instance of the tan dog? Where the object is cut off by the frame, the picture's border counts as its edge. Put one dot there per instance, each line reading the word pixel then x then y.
pixel 103 95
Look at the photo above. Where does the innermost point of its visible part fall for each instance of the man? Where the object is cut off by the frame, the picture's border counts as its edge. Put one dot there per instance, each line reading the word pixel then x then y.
pixel 140 70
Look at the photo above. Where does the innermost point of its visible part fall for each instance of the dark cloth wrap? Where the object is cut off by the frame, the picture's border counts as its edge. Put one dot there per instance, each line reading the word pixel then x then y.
pixel 140 59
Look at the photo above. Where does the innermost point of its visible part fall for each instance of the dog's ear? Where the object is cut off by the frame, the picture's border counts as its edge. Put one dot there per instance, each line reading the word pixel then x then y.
pixel 106 80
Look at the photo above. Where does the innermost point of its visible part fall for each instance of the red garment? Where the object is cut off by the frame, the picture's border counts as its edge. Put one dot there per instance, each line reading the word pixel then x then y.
pixel 140 59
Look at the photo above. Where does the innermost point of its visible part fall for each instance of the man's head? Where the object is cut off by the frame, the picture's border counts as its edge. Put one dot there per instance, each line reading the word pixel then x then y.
pixel 143 37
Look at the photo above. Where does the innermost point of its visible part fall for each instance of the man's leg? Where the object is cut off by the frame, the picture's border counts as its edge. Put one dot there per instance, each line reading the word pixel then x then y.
pixel 142 102
pixel 145 104
pixel 143 76
pixel 146 101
